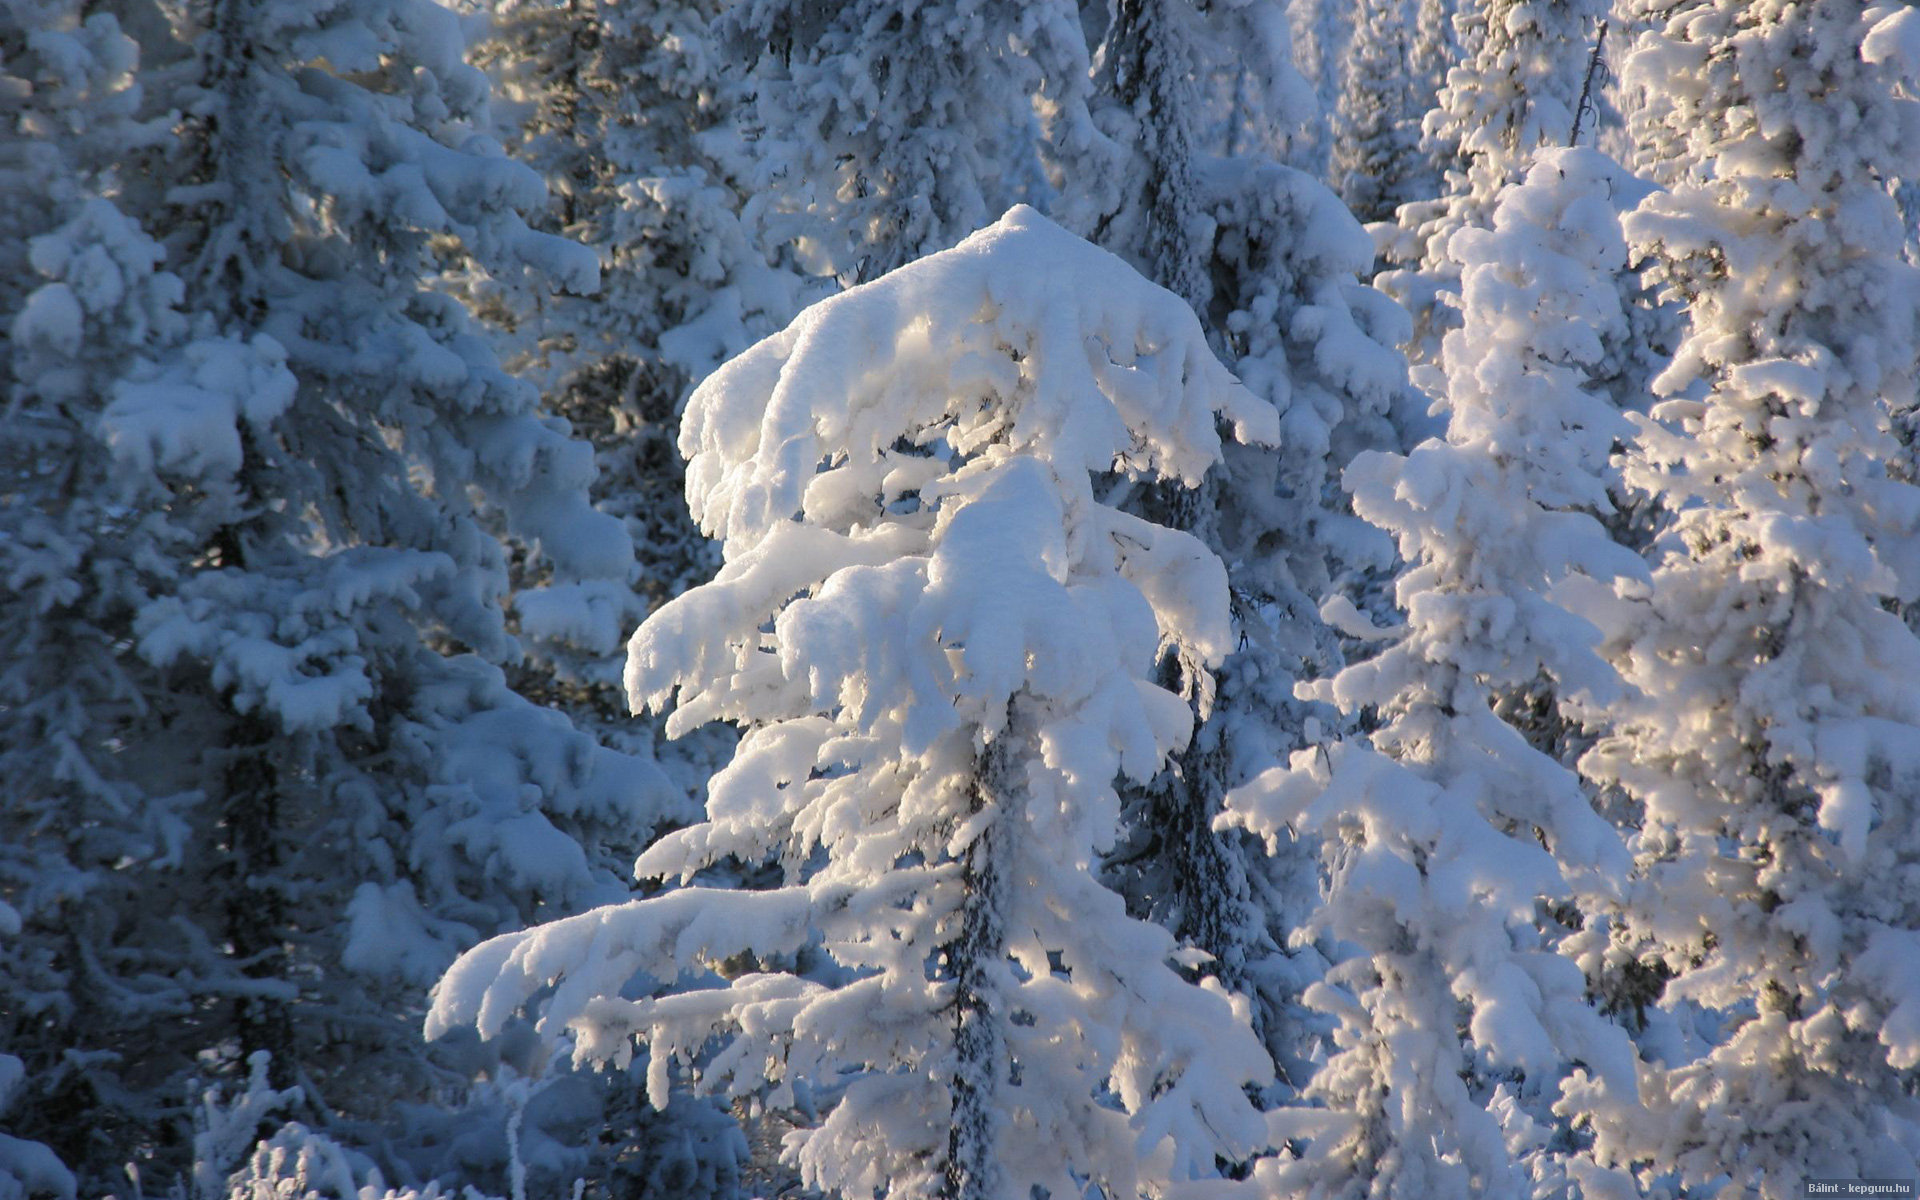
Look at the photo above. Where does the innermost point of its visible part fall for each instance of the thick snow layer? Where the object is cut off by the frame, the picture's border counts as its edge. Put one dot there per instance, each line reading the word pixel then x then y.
pixel 1022 335
pixel 941 645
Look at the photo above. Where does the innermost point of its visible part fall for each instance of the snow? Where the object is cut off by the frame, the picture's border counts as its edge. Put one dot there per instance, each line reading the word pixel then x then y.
pixel 1894 38
pixel 1020 621
pixel 52 315
pixel 1127 738
pixel 842 376
pixel 1764 659
pixel 1429 886
pixel 186 417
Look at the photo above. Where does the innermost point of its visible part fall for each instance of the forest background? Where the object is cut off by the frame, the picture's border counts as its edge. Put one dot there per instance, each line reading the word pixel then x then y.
pixel 1232 597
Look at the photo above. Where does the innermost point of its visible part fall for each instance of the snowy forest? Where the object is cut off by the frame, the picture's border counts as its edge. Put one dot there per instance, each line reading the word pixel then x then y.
pixel 959 599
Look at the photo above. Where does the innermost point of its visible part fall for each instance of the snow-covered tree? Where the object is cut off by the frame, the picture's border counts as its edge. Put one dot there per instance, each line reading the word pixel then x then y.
pixel 1376 161
pixel 26 1168
pixel 617 102
pixel 1306 335
pixel 1268 106
pixel 1177 86
pixel 1447 835
pixel 265 774
pixel 1250 244
pixel 873 132
pixel 1320 47
pixel 1773 751
pixel 1151 76
pixel 1513 91
pixel 940 640
pixel 68 555
pixel 1435 51
pixel 1516 92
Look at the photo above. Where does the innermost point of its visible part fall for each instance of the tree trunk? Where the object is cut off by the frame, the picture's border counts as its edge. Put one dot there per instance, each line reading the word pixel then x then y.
pixel 255 911
pixel 976 960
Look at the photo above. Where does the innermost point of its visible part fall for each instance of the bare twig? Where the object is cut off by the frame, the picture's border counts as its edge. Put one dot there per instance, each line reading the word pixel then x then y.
pixel 1596 70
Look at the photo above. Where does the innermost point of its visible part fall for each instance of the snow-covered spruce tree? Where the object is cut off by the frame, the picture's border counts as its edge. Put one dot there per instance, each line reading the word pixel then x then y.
pixel 1307 336
pixel 297 1161
pixel 617 100
pixel 1150 78
pixel 1376 161
pixel 1449 836
pixel 1774 754
pixel 1514 91
pixel 940 642
pixel 83 817
pixel 1177 86
pixel 872 132
pixel 1284 301
pixel 1268 108
pixel 1559 233
pixel 266 776
pixel 1320 47
pixel 1435 51
pixel 27 1168
pixel 624 108
pixel 1233 241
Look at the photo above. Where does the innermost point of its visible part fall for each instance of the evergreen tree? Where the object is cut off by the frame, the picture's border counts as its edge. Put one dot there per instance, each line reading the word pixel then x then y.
pixel 1514 91
pixel 621 103
pixel 1320 47
pixel 1268 108
pixel 69 97
pixel 1447 833
pixel 1376 160
pixel 1772 752
pixel 1221 224
pixel 1151 70
pixel 940 640
pixel 877 131
pixel 1436 49
pixel 266 776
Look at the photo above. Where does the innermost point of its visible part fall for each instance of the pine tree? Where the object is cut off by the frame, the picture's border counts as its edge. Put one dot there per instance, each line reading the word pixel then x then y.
pixel 1447 834
pixel 268 776
pixel 1150 75
pixel 1320 47
pixel 69 96
pixel 1268 107
pixel 940 640
pixel 1772 755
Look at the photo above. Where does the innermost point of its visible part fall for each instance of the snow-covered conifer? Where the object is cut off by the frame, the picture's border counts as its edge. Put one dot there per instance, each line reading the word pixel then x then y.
pixel 1306 335
pixel 1270 108
pixel 27 1168
pixel 1179 85
pixel 1250 244
pixel 1773 752
pixel 1446 835
pixel 1151 75
pixel 1319 48
pixel 1436 48
pixel 940 639
pixel 618 102
pixel 83 296
pixel 267 774
pixel 1376 160
pixel 873 132
pixel 1512 92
